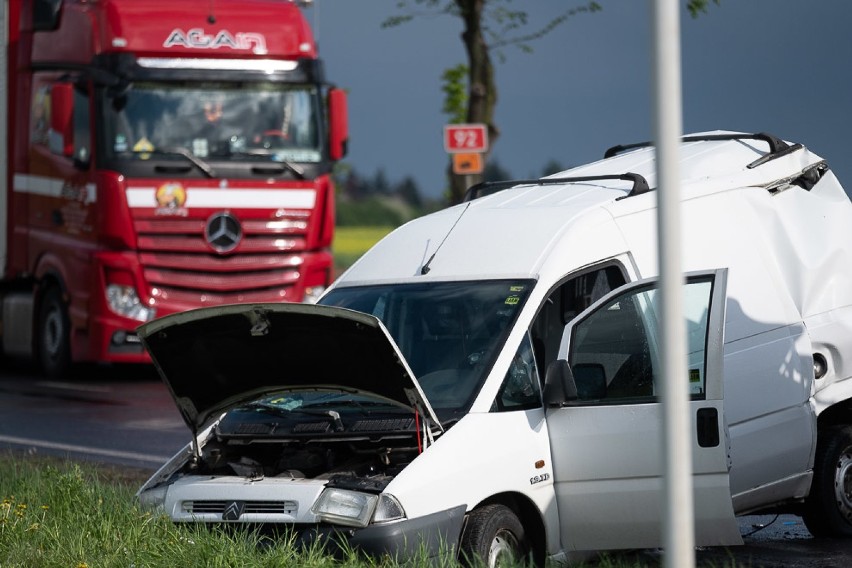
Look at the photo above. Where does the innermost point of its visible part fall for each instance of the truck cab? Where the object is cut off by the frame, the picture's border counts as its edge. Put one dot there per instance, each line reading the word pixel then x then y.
pixel 163 156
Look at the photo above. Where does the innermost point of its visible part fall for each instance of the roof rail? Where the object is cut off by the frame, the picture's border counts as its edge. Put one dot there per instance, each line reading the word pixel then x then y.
pixel 640 185
pixel 777 147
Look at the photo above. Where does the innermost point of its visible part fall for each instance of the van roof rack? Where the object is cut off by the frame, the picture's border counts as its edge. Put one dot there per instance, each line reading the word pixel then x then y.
pixel 640 185
pixel 777 147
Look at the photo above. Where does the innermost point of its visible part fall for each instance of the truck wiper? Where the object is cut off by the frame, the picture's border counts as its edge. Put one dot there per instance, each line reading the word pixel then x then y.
pixel 183 152
pixel 277 166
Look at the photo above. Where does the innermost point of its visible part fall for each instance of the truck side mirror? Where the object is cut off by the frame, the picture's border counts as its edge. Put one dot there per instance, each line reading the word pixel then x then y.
pixel 61 136
pixel 338 121
pixel 559 384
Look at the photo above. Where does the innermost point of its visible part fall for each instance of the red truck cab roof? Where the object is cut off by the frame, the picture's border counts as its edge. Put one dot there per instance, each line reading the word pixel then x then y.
pixel 274 29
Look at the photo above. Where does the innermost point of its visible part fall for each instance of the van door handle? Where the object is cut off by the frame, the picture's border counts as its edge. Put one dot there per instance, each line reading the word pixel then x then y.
pixel 707 423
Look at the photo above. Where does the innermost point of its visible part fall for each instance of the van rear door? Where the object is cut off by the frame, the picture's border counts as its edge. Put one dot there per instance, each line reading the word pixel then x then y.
pixel 607 444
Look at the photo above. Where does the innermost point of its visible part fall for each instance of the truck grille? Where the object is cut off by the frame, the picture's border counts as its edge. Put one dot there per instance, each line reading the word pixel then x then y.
pixel 181 267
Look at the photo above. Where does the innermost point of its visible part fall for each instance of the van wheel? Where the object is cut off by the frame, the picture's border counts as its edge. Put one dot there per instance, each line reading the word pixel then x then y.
pixel 493 537
pixel 54 342
pixel 828 508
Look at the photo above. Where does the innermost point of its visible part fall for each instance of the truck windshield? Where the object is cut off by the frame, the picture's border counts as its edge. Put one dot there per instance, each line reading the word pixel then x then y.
pixel 449 332
pixel 216 121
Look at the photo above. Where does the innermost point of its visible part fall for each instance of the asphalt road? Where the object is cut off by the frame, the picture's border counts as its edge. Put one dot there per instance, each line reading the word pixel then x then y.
pixel 125 416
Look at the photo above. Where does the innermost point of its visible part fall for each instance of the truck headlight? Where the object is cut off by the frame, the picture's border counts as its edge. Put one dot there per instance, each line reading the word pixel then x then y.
pixel 312 294
pixel 343 507
pixel 124 301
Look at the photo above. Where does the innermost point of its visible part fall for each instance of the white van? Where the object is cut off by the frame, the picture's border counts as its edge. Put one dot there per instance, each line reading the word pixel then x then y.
pixel 483 381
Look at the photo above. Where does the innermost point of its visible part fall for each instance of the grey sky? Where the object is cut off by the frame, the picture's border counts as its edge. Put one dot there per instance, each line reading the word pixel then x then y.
pixel 780 66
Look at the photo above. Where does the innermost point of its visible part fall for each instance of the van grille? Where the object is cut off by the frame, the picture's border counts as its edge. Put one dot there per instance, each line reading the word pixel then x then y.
pixel 251 507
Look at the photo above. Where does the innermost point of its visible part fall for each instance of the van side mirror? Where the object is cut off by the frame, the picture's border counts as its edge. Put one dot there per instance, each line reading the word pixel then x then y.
pixel 338 124
pixel 61 135
pixel 559 384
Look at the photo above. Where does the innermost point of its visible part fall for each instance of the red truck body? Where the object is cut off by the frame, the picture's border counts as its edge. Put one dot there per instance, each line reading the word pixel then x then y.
pixel 161 156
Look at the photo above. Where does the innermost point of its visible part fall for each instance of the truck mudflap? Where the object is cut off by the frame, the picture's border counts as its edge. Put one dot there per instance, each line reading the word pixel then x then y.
pixel 430 536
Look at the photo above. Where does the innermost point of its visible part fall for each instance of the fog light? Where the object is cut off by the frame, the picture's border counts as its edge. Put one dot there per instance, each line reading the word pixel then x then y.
pixel 124 301
pixel 122 337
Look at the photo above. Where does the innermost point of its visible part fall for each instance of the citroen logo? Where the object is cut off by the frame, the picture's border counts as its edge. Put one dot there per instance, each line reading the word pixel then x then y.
pixel 223 232
pixel 233 510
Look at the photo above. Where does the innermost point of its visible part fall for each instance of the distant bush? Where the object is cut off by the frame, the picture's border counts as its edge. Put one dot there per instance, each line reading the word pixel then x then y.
pixel 369 212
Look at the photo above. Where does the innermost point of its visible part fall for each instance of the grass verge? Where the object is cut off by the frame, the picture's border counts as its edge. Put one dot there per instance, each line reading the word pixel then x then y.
pixel 58 513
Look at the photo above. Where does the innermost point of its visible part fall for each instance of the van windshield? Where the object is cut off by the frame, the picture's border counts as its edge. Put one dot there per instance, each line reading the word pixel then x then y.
pixel 449 332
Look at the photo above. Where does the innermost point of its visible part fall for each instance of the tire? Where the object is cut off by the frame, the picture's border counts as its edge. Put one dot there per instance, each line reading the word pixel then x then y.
pixel 493 537
pixel 828 508
pixel 54 335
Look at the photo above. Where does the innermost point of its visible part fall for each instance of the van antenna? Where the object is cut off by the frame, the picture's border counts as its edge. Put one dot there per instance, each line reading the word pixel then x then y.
pixel 211 16
pixel 425 269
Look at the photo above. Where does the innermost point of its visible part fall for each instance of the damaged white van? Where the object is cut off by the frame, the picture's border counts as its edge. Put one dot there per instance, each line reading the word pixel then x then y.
pixel 483 382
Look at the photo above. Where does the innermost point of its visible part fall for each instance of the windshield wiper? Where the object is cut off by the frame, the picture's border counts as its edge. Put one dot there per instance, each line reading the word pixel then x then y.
pixel 183 152
pixel 277 166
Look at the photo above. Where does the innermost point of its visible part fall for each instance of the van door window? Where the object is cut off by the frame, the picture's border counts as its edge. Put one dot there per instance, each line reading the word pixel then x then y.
pixel 615 351
pixel 520 389
pixel 563 305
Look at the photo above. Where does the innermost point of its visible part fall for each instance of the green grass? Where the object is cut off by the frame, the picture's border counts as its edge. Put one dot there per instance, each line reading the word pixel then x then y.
pixel 56 513
pixel 62 514
pixel 351 242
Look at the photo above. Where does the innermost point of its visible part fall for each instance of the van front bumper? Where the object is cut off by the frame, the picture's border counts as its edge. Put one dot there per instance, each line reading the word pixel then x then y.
pixel 430 536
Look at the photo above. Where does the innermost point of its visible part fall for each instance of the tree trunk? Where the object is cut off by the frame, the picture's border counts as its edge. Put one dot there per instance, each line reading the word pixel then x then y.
pixel 482 93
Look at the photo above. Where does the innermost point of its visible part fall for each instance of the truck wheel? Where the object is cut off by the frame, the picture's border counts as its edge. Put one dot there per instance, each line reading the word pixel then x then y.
pixel 54 343
pixel 492 537
pixel 828 508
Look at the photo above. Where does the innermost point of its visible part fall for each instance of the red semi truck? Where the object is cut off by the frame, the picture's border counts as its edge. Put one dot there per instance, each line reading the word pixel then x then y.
pixel 158 156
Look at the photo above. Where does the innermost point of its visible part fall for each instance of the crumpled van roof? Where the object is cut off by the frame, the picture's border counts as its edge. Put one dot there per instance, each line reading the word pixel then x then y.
pixel 510 233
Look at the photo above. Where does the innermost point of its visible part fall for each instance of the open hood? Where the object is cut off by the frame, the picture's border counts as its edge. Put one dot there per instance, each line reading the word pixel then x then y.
pixel 215 358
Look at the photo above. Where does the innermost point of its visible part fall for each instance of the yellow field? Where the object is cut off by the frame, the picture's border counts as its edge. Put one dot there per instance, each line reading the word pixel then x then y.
pixel 351 242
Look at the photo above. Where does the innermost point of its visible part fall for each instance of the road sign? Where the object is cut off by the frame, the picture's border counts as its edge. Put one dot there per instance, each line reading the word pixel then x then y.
pixel 467 164
pixel 465 138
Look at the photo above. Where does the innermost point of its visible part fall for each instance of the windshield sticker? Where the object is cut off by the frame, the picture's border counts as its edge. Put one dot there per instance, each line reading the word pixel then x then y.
pixel 297 155
pixel 143 146
pixel 171 198
pixel 120 143
pixel 512 300
pixel 516 288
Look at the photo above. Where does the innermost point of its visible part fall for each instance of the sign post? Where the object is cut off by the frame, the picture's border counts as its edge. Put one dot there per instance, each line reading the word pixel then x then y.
pixel 467 143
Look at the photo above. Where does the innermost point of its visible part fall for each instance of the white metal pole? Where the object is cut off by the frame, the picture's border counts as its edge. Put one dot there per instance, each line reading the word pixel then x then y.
pixel 678 523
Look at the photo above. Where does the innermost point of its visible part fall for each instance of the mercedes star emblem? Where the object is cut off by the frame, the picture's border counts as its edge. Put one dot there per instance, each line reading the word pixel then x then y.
pixel 223 232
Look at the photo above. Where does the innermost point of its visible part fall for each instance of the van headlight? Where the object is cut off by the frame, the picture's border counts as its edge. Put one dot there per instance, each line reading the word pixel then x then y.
pixel 154 498
pixel 356 509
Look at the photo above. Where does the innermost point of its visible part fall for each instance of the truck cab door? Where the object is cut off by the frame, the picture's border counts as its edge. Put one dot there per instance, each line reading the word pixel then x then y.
pixel 606 431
